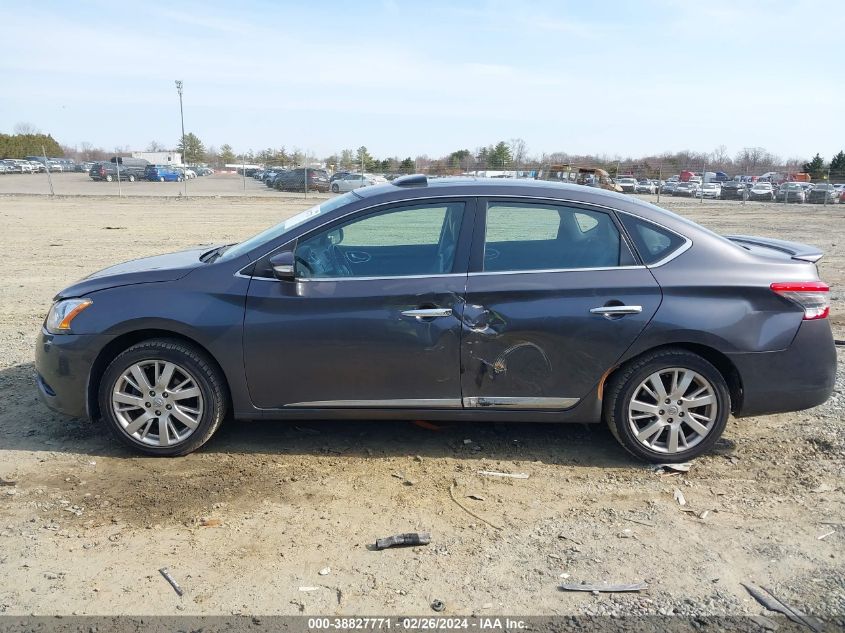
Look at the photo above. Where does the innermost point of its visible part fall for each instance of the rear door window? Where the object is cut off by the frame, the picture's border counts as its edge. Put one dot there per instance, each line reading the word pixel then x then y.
pixel 538 236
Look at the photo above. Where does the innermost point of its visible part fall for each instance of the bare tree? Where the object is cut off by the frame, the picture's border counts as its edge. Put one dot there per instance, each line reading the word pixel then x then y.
pixel 518 150
pixel 24 127
pixel 155 146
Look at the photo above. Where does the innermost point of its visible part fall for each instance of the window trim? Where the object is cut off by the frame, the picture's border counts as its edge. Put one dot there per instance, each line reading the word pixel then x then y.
pixel 475 201
pixel 477 258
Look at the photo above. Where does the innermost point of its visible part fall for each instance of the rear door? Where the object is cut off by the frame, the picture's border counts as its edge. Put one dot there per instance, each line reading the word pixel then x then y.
pixel 554 297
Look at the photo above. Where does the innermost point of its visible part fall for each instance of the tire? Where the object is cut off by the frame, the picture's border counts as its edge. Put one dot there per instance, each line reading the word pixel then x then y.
pixel 205 410
pixel 161 179
pixel 629 382
pixel 109 178
pixel 335 189
pixel 131 178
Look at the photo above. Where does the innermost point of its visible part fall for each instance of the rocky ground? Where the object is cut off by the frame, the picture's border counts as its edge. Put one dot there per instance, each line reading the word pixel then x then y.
pixel 275 518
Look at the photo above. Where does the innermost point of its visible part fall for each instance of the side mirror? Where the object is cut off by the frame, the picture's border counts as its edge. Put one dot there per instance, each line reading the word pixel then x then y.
pixel 283 266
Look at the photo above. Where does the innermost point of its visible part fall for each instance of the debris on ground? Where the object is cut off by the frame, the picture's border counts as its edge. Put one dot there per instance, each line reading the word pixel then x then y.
pixel 475 497
pixel 409 539
pixel 325 571
pixel 209 522
pixel 405 480
pixel 768 600
pixel 438 605
pixel 679 497
pixel 468 511
pixel 308 588
pixel 639 586
pixel 671 469
pixel 6 482
pixel 493 473
pixel 821 537
pixel 164 572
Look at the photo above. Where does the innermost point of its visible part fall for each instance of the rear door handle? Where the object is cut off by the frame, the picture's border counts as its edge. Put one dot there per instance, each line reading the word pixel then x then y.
pixel 428 313
pixel 616 310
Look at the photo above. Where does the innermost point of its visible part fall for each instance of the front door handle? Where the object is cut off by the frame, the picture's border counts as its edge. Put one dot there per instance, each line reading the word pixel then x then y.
pixel 616 310
pixel 428 313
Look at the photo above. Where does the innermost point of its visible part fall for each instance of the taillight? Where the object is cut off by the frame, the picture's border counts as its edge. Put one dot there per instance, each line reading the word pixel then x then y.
pixel 813 296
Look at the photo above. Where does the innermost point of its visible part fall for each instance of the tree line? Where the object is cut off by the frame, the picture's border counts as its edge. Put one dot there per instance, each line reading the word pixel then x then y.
pixel 504 155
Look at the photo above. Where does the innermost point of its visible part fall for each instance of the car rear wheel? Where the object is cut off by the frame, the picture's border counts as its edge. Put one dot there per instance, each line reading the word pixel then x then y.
pixel 162 397
pixel 108 178
pixel 161 179
pixel 335 189
pixel 669 406
pixel 131 178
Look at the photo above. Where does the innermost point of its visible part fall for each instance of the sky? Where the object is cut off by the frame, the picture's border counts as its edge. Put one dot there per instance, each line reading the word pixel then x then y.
pixel 430 77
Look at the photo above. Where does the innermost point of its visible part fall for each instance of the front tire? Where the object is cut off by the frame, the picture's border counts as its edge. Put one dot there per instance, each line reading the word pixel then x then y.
pixel 109 178
pixel 667 406
pixel 162 397
pixel 335 189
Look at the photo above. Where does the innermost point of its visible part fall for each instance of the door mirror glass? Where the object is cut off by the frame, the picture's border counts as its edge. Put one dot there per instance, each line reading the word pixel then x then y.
pixel 283 266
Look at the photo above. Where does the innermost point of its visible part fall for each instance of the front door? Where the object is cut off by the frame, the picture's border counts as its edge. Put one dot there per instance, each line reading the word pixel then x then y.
pixel 373 318
pixel 554 298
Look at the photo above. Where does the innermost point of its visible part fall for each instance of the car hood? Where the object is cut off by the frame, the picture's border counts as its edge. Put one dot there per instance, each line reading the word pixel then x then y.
pixel 154 269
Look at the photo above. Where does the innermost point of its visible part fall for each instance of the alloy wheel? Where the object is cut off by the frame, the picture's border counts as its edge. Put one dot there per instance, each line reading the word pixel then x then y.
pixel 672 410
pixel 157 403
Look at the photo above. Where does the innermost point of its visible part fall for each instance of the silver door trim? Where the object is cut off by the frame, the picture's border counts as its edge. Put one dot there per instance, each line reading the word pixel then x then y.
pixel 514 402
pixel 535 271
pixel 616 310
pixel 428 313
pixel 409 403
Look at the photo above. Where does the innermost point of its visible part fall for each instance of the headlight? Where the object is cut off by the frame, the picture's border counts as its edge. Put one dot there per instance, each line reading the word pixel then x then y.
pixel 62 313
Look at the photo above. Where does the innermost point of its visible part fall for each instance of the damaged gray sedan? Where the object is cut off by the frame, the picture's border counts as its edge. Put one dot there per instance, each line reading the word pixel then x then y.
pixel 483 300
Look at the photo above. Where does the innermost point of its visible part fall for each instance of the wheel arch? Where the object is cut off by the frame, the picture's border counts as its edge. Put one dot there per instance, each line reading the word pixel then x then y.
pixel 120 343
pixel 720 361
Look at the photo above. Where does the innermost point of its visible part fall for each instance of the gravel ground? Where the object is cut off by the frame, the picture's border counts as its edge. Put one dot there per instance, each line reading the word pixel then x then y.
pixel 274 518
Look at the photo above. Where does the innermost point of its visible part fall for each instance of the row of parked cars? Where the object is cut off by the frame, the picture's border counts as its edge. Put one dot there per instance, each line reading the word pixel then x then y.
pixel 108 172
pixel 800 192
pixel 318 179
pixel 20 166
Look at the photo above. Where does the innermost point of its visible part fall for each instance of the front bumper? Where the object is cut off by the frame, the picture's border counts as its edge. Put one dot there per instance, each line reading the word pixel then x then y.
pixel 63 365
pixel 799 377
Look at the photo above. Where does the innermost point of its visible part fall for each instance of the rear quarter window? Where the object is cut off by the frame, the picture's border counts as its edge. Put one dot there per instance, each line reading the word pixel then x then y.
pixel 653 242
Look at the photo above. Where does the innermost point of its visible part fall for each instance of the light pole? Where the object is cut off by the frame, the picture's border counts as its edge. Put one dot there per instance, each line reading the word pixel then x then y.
pixel 182 117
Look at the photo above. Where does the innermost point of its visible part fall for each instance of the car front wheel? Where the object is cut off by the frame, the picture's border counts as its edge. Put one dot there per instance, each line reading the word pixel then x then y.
pixel 162 397
pixel 668 406
pixel 335 189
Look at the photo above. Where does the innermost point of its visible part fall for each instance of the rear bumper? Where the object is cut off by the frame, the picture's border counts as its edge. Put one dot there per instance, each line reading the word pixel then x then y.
pixel 799 377
pixel 63 365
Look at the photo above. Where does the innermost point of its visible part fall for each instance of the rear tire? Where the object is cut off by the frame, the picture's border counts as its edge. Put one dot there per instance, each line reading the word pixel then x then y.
pixel 131 178
pixel 335 189
pixel 197 373
pixel 109 178
pixel 161 179
pixel 667 426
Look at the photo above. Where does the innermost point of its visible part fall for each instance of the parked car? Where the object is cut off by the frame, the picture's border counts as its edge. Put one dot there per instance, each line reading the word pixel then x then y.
pixel 790 192
pixel 163 173
pixel 669 186
pixel 37 167
pixel 204 171
pixel 733 190
pixel 55 166
pixel 17 166
pixel 629 185
pixel 761 190
pixel 823 193
pixel 109 172
pixel 645 186
pixel 709 190
pixel 294 180
pixel 685 189
pixel 352 181
pixel 661 336
pixel 187 172
pixel 339 174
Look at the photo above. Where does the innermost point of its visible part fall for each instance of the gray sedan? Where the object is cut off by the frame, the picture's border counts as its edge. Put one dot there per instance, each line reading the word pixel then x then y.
pixel 481 300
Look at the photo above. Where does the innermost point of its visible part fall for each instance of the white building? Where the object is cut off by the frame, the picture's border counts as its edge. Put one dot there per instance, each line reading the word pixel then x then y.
pixel 160 158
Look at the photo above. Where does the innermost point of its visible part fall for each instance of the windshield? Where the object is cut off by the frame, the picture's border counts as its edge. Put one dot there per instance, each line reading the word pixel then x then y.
pixel 283 227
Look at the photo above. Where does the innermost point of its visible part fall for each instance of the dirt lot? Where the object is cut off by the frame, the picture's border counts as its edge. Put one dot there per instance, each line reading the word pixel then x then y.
pixel 87 525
